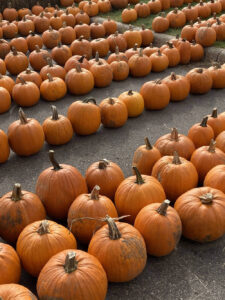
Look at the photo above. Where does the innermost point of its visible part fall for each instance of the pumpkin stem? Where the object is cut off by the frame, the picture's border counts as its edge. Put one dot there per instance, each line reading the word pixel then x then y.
pixel 216 65
pixel 212 146
pixel 95 193
pixel 55 115
pixel 206 198
pixel 49 61
pixel 103 164
pixel 139 178
pixel 54 162
pixel 176 158
pixel 28 71
pixel 174 134
pixel 159 53
pixel 71 262
pixel 204 121
pixel 214 113
pixel 31 33
pixel 87 100
pixel 16 193
pixel 200 70
pixel 148 144
pixel 173 76
pixel 163 208
pixel 78 68
pixel 14 51
pixel 59 44
pixel 114 233
pixel 130 93
pixel 22 80
pixel 143 27
pixel 111 101
pixel 22 116
pixel 37 48
pixel 81 38
pixel 43 227
pixel 141 52
pixel 50 78
pixel 96 56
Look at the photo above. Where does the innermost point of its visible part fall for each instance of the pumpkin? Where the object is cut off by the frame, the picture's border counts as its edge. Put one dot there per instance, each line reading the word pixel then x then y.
pixel 145 157
pixel 119 3
pixel 45 237
pixel 206 36
pixel 25 93
pixel 9 13
pixel 18 203
pixel 200 80
pixel 82 29
pixel 134 102
pixel 150 50
pixel 38 58
pixel 178 85
pixel 176 174
pixel 102 74
pixel 23 12
pixel 75 60
pixel 20 44
pixel 129 15
pixel 29 75
pixel 165 4
pixel 159 61
pixel 191 12
pixel 54 70
pixel 117 55
pixel 216 122
pixel 204 10
pixel 37 9
pixel 132 37
pixel 15 291
pixel 68 18
pixel 67 33
pixel 9 30
pixel 200 23
pixel 176 18
pixel 131 51
pixel 201 133
pixel 2 67
pixel 213 19
pixel 222 4
pixel 175 141
pixel 61 53
pixel 33 40
pixel 160 24
pixel 156 94
pixel 110 26
pixel 215 177
pixel 117 40
pixel 51 38
pixel 197 51
pixel 155 6
pixel 108 241
pixel 114 112
pixel 104 6
pixel 219 28
pixel 4 146
pixel 81 47
pixel 5 101
pixel 220 141
pixel 161 228
pixel 89 205
pixel 184 48
pixel 175 40
pixel 202 214
pixel 139 64
pixel 82 17
pixel 57 128
pixel 147 36
pixel 135 192
pixel 66 3
pixel 73 9
pixel 50 8
pixel 41 23
pixel 207 157
pixel 172 54
pixel 142 9
pixel 84 116
pixel 91 8
pixel 120 69
pixel 57 203
pixel 16 62
pixel 53 88
pixel 79 81
pixel 176 3
pixel 108 175
pixel 4 48
pixel 101 46
pixel 25 26
pixel 10 265
pixel 188 32
pixel 7 83
pixel 68 265
pixel 218 76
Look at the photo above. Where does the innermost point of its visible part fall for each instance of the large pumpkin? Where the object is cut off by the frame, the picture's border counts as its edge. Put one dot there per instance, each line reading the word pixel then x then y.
pixel 119 245
pixel 178 85
pixel 202 213
pixel 4 146
pixel 200 80
pixel 140 65
pixel 206 36
pixel 135 192
pixel 57 187
pixel 160 226
pixel 16 62
pixel 15 292
pixel 18 209
pixel 45 238
pixel 176 174
pixel 215 178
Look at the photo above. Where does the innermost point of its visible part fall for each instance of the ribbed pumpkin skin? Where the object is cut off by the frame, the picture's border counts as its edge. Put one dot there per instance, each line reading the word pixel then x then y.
pixel 10 265
pixel 201 135
pixel 88 282
pixel 15 292
pixel 161 233
pixel 123 259
pixel 202 222
pixel 215 178
pixel 36 249
pixel 4 146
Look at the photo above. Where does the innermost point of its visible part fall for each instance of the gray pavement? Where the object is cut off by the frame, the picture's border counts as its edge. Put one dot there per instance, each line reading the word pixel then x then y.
pixel 193 271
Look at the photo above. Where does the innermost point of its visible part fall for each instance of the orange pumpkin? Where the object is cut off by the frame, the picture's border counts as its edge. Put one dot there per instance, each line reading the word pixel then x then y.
pixel 61 54
pixel 200 80
pixel 142 9
pixel 68 18
pixel 140 65
pixel 54 70
pixel 20 44
pixel 184 48
pixel 81 47
pixel 176 18
pixel 41 23
pixel 110 26
pixel 51 38
pixel 30 75
pixel 132 37
pixel 16 292
pixel 4 146
pixel 178 85
pixel 216 122
pixel 206 36
pixel 16 62
pixel 204 10
pixel 82 17
pixel 53 88
pixel 38 58
pixel 120 69
pixel 218 76
pixel 102 74
pixel 75 60
pixel 101 46
pixel 9 13
pixel 191 12
pixel 159 61
pixel 161 23
pixel 5 101
pixel 134 102
pixel 129 15
pixel 25 26
pixel 197 51
pixel 4 48
pixel 114 56
pixel 156 6
pixel 33 40
pixel 117 40
pixel 172 53
pixel 215 178
pixel 7 83
pixel 150 50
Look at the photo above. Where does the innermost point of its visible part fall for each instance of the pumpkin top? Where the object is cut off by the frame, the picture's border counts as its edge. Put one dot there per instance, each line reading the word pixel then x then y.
pixel 55 115
pixel 163 208
pixel 103 164
pixel 176 159
pixel 54 162
pixel 22 116
pixel 216 65
pixel 95 193
pixel 206 198
pixel 212 146
pixel 70 262
pixel 114 233
pixel 14 51
pixel 174 135
pixel 148 144
pixel 22 80
pixel 139 178
pixel 204 122
pixel 43 227
pixel 214 113
pixel 87 100
pixel 16 193
pixel 50 78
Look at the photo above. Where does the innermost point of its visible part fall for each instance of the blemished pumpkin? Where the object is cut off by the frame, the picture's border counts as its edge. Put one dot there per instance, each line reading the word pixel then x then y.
pixel 117 40
pixel 45 237
pixel 30 75
pixel 176 174
pixel 216 122
pixel 200 80
pixel 114 239
pixel 16 62
pixel 215 178
pixel 201 133
pixel 178 85
pixel 58 129
pixel 107 174
pixel 85 116
pixel 114 112
pixel 134 102
pixel 161 228
pixel 92 205
pixel 16 292
pixel 24 130
pixel 175 141
pixel 135 192
pixel 139 64
pixel 58 186
pixel 207 157
pixel 10 265
pixel 202 214
pixel 5 101
pixel 145 156
pixel 18 202
pixel 66 268
pixel 156 94
pixel 53 88
pixel 4 146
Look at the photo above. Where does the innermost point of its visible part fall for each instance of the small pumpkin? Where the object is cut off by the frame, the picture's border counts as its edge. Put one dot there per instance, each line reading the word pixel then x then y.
pixel 219 28
pixel 176 18
pixel 16 291
pixel 25 26
pixel 38 58
pixel 51 38
pixel 114 56
pixel 145 157
pixel 82 29
pixel 191 12
pixel 2 67
pixel 91 8
pixel 139 64
pixel 120 69
pixel 67 33
pixel 178 85
pixel 82 17
pixel 150 50
pixel 20 44
pixel 4 48
pixel 104 6
pixel 30 75
pixel 75 60
pixel 142 9
pixel 54 70
pixel 184 48
pixel 41 23
pixel 215 177
pixel 102 74
pixel 160 23
pixel 68 18
pixel 218 76
pixel 202 214
pixel 161 228
pixel 4 146
pixel 32 40
pixel 197 51
pixel 216 122
pixel 97 30
pixel 159 61
pixel 101 46
pixel 204 10
pixel 131 51
pixel 206 36
pixel 117 40
pixel 172 53
pixel 110 26
pixel 81 47
pixel 129 15
pixel 9 13
pixel 9 30
pixel 132 37
pixel 16 62
pixel 155 6
pixel 61 53
pixel 37 9
pixel 53 88
pixel 165 4
pixel 5 101
pixel 56 22
pixel 7 83
pixel 200 80
pixel 188 32
pixel 134 102
pixel 85 116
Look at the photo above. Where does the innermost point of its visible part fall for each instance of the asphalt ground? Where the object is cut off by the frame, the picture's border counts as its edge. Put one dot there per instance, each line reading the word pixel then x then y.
pixel 193 271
